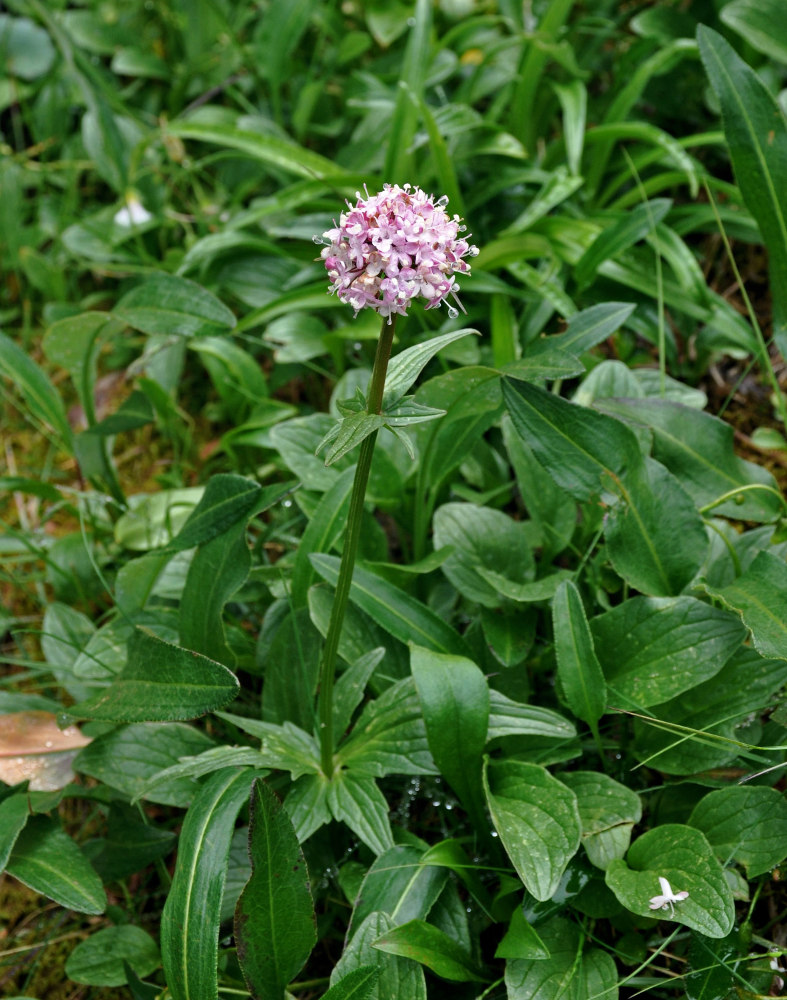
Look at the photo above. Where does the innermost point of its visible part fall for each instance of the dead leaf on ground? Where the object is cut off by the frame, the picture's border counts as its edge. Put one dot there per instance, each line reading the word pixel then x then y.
pixel 34 749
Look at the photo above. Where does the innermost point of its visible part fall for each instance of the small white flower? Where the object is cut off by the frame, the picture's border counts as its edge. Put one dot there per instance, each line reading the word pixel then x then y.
pixel 133 212
pixel 667 898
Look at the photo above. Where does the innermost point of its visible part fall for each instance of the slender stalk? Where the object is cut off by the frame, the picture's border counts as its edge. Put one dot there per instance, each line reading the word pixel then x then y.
pixel 374 402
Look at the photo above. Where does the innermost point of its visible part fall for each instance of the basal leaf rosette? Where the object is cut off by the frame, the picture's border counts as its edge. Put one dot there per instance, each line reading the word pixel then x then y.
pixel 396 246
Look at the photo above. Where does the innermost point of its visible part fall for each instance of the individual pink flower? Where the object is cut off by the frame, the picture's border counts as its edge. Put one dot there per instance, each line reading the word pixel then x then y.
pixel 395 246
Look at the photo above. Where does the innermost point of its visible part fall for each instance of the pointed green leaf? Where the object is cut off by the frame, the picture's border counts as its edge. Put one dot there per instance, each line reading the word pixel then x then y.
pixel 760 597
pixel 399 978
pixel 761 23
pixel 454 697
pixel 684 857
pixel 537 820
pixel 356 985
pixel 521 940
pixel 322 532
pixel 14 813
pixel 397 612
pixel 192 912
pixel 646 547
pixel 284 747
pixel 37 391
pixel 307 805
pixel 99 960
pixel 405 368
pixel 356 800
pixel 756 133
pixel 48 861
pixel 400 884
pixel 622 233
pixel 161 683
pixel 590 327
pixel 744 823
pixel 654 648
pixel 566 971
pixel 608 811
pixel 275 928
pixel 430 946
pixel 585 452
pixel 169 305
pixel 578 668
pixel 510 718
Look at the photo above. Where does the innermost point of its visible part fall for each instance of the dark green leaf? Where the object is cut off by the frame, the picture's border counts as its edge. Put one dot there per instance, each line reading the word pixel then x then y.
pixel 744 823
pixel 585 452
pixel 356 985
pixel 684 857
pixel 99 960
pixel 760 597
pixel 578 668
pixel 653 648
pixel 537 820
pixel 356 800
pixel 274 920
pixel 607 811
pixel 399 979
pixel 190 919
pixel 454 697
pixel 48 861
pixel 623 232
pixel 430 946
pixel 756 133
pixel 405 368
pixel 14 813
pixel 168 305
pixel 39 394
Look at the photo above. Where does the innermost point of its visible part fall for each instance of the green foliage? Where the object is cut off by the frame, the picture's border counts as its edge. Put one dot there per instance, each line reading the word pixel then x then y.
pixel 565 641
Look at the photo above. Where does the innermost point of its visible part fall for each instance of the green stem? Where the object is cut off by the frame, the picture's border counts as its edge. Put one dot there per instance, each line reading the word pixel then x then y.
pixel 374 401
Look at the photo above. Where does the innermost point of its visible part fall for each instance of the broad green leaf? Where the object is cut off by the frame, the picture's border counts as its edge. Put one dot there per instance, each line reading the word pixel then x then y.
pixel 348 433
pixel 291 671
pixel 25 48
pixel 623 232
pixel 161 683
pixel 351 685
pixel 558 186
pixel 537 820
pixel 323 531
pixel 510 718
pixel 275 928
pixel 390 736
pixel 129 845
pixel 285 747
pixel 746 824
pixel 654 648
pixel 406 366
pixel 481 538
pixel 356 985
pixel 98 960
pixel 271 150
pixel 761 23
pixel 430 946
pixel 544 361
pixel 356 800
pixel 218 569
pixel 712 710
pixel 400 135
pixel 712 966
pixel 40 396
pixel 307 805
pixel 191 915
pixel 168 305
pixel 567 970
pixel 607 812
pixel 578 669
pixel 509 633
pixel 589 327
pixel 454 697
pixel 684 857
pixel 756 133
pixel 573 97
pixel 214 759
pixel 585 452
pixel 398 978
pixel 48 861
pixel 471 399
pixel 135 411
pixel 656 553
pixel 698 449
pixel 400 884
pixel 551 510
pixel 128 757
pixel 228 500
pixel 14 813
pixel 398 613
pixel 760 597
pixel 521 940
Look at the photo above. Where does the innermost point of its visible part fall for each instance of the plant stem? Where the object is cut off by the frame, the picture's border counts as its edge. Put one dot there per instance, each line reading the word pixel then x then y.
pixel 374 402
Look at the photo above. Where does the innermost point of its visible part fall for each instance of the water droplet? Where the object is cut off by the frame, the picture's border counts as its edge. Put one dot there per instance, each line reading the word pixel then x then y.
pixel 494 833
pixel 287 503
pixel 452 313
pixel 318 240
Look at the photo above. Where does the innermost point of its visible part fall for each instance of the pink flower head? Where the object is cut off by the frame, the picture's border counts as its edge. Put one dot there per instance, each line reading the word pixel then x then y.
pixel 395 246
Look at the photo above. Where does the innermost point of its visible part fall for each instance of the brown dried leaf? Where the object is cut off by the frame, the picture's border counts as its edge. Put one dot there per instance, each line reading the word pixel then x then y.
pixel 33 748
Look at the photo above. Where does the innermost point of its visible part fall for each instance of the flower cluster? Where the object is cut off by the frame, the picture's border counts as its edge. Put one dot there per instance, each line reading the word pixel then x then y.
pixel 395 246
